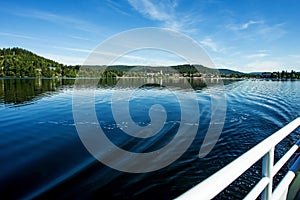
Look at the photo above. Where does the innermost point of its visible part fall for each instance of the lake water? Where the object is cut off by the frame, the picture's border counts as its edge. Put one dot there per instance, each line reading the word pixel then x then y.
pixel 42 155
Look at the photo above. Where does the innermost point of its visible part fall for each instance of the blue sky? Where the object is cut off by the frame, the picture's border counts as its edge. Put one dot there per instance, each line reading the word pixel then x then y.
pixel 248 35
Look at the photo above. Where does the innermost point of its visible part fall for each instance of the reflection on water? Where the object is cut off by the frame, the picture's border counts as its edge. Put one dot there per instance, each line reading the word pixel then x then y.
pixel 20 91
pixel 39 142
pixel 24 91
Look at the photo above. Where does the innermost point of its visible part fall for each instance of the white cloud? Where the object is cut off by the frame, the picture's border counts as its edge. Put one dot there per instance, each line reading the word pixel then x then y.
pixel 165 12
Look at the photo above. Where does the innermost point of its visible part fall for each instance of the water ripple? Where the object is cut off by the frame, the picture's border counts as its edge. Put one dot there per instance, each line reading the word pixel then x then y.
pixel 39 139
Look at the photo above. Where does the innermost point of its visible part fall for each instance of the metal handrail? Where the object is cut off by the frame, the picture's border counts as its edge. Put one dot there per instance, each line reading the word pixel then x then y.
pixel 281 190
pixel 212 186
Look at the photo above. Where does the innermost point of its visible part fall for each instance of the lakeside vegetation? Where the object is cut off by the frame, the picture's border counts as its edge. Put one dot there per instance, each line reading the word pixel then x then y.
pixel 17 62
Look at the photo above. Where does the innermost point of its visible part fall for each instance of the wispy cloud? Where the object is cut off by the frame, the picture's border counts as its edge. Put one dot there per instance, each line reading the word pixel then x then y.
pixel 264 65
pixel 17 35
pixel 257 55
pixel 102 57
pixel 272 32
pixel 149 57
pixel 208 42
pixel 116 7
pixel 80 38
pixel 248 24
pixel 58 19
pixel 98 57
pixel 259 28
pixel 166 13
pixel 74 49
pixel 263 51
pixel 244 26
pixel 159 11
pixel 214 46
pixel 69 60
pixel 98 52
pixel 297 56
pixel 294 60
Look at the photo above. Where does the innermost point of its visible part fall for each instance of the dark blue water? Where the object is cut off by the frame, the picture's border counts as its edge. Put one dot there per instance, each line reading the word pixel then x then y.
pixel 42 156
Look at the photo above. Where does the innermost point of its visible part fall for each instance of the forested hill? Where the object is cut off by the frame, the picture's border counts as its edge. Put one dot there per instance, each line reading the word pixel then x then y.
pixel 228 71
pixel 17 62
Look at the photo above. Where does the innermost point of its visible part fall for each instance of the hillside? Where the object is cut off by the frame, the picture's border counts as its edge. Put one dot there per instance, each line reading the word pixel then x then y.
pixel 228 71
pixel 17 62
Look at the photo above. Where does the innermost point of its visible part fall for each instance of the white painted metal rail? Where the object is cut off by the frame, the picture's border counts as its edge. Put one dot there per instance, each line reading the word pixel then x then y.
pixel 212 186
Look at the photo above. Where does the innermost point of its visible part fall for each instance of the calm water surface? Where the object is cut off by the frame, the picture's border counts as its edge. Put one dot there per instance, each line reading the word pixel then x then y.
pixel 42 156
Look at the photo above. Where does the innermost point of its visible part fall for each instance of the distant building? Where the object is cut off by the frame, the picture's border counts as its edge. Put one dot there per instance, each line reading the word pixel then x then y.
pixel 150 74
pixel 52 68
pixel 266 75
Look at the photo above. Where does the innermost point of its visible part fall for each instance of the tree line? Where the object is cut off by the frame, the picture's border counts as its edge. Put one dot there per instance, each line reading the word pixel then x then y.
pixel 17 62
pixel 285 75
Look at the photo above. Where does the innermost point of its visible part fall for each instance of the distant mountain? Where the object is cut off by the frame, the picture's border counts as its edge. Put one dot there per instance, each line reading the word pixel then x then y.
pixel 257 73
pixel 228 71
pixel 17 62
pixel 184 68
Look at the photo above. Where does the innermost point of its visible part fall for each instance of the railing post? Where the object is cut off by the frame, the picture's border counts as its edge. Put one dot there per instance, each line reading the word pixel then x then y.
pixel 267 166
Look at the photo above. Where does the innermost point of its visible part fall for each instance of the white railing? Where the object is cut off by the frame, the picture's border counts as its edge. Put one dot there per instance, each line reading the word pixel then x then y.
pixel 212 186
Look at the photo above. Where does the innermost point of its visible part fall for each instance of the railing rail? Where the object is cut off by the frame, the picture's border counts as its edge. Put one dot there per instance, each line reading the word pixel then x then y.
pixel 212 186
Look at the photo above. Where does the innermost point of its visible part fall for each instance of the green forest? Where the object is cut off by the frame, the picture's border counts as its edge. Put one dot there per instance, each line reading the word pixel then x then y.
pixel 17 62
